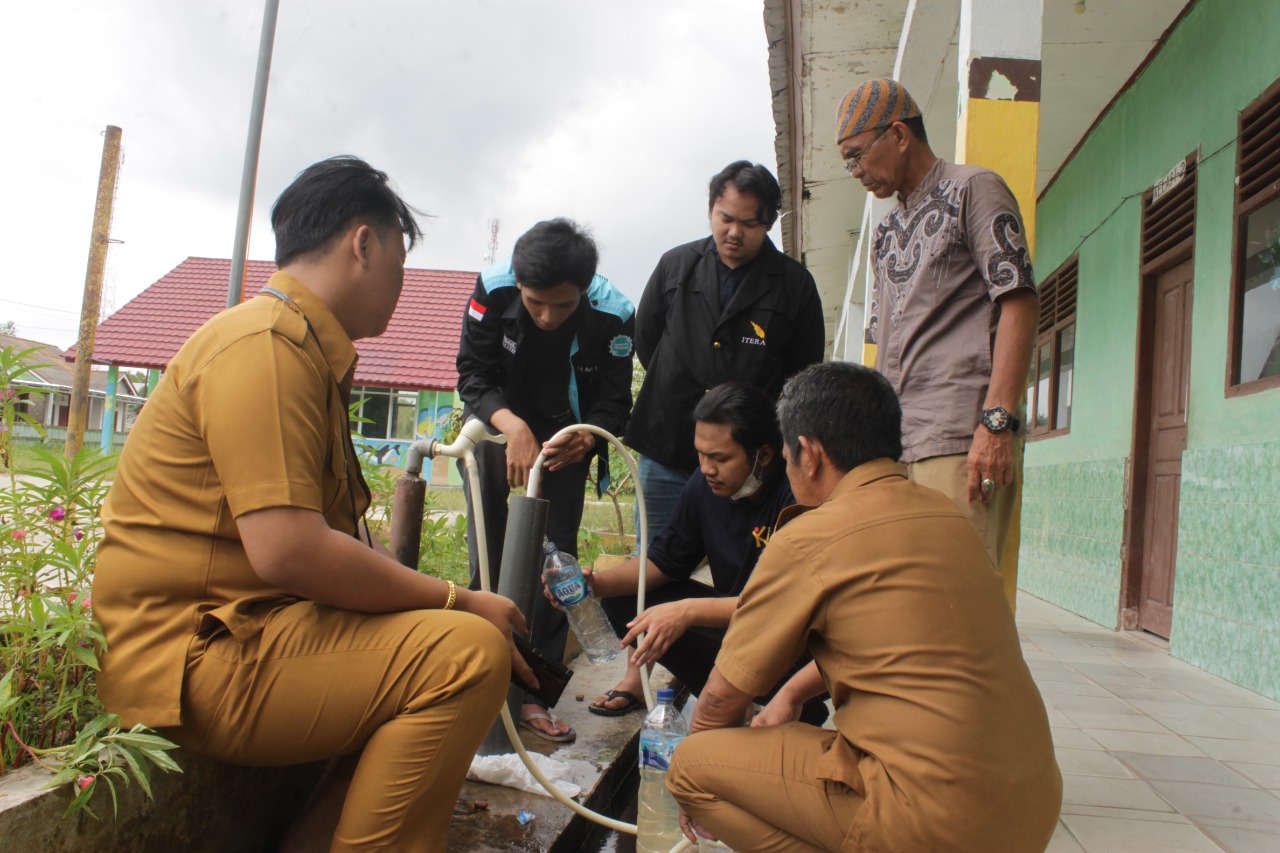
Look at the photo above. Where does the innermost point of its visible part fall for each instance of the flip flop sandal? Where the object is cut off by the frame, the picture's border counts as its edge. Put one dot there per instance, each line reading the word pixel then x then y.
pixel 633 704
pixel 525 723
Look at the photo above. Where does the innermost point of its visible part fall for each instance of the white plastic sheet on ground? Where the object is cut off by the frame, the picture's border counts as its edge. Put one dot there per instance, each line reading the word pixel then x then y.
pixel 509 771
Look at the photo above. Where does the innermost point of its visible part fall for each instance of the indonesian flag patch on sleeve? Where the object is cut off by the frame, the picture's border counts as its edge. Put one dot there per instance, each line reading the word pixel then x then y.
pixel 476 310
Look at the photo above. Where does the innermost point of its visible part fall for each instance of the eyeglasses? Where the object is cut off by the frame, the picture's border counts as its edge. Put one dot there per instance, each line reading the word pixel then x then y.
pixel 854 161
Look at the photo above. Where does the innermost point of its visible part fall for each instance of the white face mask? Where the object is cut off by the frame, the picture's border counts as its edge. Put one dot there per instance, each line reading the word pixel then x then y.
pixel 751 485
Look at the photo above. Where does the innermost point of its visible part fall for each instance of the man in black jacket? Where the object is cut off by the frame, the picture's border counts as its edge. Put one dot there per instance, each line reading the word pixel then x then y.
pixel 729 307
pixel 546 342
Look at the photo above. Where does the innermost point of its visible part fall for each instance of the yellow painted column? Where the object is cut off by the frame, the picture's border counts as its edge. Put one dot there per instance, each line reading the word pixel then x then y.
pixel 999 128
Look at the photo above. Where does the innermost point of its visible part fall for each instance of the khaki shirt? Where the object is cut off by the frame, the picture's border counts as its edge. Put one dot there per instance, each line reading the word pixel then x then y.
pixel 942 260
pixel 940 726
pixel 251 414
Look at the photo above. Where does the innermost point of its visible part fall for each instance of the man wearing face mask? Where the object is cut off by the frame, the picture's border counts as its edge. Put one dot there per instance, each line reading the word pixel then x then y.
pixel 725 514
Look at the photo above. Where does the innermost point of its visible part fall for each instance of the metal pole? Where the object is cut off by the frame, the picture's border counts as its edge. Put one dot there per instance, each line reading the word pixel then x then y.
pixel 92 301
pixel 249 175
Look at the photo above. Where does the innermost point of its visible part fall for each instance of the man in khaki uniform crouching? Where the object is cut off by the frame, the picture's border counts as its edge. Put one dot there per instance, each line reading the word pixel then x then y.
pixel 941 740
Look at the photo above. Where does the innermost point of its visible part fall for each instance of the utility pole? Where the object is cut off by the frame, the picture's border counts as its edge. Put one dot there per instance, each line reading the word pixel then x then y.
pixel 252 145
pixel 492 254
pixel 98 240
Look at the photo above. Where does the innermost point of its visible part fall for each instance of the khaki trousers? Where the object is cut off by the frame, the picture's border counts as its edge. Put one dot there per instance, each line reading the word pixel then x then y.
pixel 758 790
pixel 950 475
pixel 404 698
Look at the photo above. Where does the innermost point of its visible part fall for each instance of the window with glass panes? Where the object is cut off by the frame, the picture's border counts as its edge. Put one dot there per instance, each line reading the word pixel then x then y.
pixel 1052 372
pixel 1255 320
pixel 384 413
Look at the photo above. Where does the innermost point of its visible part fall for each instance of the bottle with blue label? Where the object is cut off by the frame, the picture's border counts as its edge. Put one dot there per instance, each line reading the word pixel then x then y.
pixel 658 816
pixel 563 576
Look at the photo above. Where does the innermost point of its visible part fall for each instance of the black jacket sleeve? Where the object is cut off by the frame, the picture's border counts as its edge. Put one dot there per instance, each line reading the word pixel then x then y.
pixel 651 316
pixel 811 330
pixel 480 372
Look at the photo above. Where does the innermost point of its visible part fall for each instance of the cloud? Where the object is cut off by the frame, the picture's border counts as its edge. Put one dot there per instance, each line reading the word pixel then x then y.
pixel 615 115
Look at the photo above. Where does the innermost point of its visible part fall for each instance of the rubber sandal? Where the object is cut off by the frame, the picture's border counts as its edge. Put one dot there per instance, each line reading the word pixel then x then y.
pixel 633 704
pixel 526 724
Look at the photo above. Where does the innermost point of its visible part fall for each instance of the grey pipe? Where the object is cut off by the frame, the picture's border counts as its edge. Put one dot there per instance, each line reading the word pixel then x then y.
pixel 519 580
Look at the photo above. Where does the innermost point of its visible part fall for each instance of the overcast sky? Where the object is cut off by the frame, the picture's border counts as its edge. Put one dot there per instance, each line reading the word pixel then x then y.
pixel 614 114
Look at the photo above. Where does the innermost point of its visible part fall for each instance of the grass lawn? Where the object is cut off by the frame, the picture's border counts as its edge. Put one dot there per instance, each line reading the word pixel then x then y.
pixel 596 515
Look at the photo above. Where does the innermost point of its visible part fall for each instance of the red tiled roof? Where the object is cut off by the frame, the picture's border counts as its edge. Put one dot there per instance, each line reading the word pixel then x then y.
pixel 416 352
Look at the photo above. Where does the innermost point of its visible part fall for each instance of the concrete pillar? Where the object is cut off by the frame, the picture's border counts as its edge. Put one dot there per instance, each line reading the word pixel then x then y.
pixel 109 408
pixel 999 124
pixel 999 128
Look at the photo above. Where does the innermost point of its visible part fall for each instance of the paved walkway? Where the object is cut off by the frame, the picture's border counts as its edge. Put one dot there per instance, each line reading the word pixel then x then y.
pixel 1156 755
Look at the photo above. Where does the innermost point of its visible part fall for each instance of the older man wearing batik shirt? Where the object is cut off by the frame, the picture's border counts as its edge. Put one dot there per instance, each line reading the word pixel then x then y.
pixel 953 311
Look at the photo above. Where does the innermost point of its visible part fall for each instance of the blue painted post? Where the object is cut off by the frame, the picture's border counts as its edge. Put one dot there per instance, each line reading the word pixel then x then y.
pixel 109 408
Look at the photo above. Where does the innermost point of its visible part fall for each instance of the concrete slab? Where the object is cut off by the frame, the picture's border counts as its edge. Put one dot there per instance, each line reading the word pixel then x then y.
pixel 600 760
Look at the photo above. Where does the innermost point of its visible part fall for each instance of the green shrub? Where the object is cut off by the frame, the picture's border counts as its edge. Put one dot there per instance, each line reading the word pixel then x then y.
pixel 49 641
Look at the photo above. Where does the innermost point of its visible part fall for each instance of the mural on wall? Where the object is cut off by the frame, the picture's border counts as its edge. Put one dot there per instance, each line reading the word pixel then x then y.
pixel 432 423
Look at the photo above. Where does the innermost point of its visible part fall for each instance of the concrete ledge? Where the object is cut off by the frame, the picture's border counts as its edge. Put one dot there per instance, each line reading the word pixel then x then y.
pixel 209 808
pixel 212 807
pixel 601 758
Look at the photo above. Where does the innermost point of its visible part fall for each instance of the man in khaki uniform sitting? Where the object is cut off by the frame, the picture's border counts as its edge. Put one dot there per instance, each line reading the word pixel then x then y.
pixel 250 616
pixel 941 742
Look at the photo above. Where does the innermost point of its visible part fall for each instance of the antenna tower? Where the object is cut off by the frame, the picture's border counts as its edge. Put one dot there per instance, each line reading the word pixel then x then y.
pixel 491 252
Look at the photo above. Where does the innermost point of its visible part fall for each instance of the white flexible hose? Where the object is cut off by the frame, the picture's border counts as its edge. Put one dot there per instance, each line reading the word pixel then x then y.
pixel 642 532
pixel 535 475
pixel 473 478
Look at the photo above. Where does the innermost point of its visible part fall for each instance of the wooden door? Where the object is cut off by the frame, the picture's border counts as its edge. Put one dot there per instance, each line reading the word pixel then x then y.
pixel 1166 439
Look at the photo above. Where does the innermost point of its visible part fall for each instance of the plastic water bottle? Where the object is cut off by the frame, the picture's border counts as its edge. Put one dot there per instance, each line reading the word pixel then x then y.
pixel 658 816
pixel 563 576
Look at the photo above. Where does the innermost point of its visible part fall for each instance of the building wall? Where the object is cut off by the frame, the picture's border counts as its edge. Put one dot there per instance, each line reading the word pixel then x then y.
pixel 1221 57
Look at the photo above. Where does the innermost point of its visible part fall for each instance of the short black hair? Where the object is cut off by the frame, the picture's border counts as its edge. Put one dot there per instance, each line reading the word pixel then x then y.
pixel 850 409
pixel 750 179
pixel 327 198
pixel 749 414
pixel 915 124
pixel 552 252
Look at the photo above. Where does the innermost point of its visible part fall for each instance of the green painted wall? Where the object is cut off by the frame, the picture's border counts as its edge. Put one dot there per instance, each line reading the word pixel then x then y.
pixel 1221 57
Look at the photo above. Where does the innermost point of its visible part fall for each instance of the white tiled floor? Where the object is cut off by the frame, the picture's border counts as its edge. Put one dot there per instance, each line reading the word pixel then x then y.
pixel 1156 755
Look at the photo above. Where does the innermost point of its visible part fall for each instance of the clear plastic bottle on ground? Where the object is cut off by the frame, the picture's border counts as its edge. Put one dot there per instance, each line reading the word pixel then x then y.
pixel 563 576
pixel 658 816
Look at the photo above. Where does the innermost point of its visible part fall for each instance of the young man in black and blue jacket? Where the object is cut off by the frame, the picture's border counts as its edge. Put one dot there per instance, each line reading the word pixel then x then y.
pixel 546 342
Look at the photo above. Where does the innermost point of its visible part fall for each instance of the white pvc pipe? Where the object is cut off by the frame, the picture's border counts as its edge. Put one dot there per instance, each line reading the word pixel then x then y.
pixel 463 448
pixel 642 533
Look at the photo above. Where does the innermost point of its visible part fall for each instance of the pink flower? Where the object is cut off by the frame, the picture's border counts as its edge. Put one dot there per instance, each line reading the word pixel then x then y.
pixel 84 782
pixel 71 597
pixel 86 602
pixel 19 534
pixel 57 513
pixel 79 534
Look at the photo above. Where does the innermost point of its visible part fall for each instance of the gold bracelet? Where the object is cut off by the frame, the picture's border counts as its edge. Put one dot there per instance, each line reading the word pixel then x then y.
pixel 453 595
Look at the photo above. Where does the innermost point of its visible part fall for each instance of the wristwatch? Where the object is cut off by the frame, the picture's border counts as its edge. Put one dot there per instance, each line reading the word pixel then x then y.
pixel 998 419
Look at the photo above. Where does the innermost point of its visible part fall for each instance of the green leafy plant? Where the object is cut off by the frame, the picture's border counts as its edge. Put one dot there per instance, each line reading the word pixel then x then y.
pixel 50 643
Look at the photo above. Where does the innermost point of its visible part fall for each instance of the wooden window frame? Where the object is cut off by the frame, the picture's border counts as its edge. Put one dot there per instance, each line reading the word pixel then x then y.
pixel 1061 286
pixel 1266 108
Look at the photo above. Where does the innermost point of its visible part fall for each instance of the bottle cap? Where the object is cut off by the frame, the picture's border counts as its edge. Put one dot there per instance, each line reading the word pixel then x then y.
pixel 666 694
